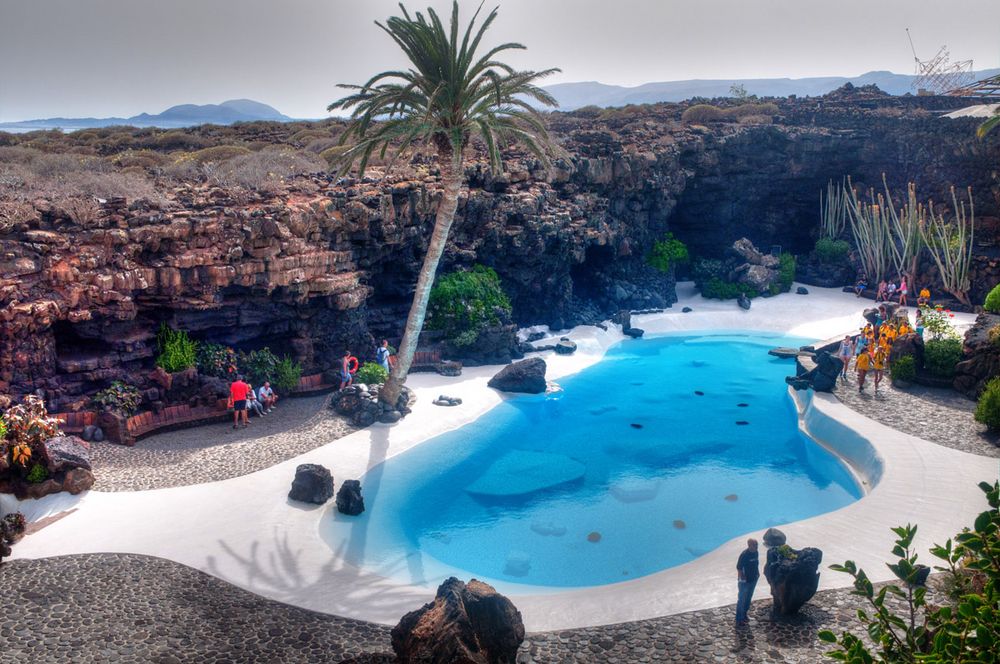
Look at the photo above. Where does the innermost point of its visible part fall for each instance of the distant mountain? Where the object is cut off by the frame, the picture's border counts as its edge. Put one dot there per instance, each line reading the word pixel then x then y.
pixel 576 95
pixel 184 115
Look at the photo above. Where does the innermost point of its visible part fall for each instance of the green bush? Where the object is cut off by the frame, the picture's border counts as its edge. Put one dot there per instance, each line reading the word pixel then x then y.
pixel 941 356
pixel 287 374
pixel 717 289
pixel 988 407
pixel 3 429
pixel 786 271
pixel 120 398
pixel 937 323
pixel 177 351
pixel 903 368
pixel 37 474
pixel 992 303
pixel 216 360
pixel 467 302
pixel 702 113
pixel 667 253
pixel 831 251
pixel 994 335
pixel 371 374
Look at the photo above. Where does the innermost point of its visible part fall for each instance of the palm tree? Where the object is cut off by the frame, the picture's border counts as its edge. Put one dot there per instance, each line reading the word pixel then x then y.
pixel 447 96
pixel 989 125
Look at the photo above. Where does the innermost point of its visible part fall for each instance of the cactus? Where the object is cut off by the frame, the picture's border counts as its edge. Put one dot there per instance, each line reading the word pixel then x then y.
pixel 950 244
pixel 870 225
pixel 833 211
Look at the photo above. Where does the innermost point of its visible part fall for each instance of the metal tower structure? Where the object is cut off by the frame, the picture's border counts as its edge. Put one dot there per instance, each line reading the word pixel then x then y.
pixel 939 75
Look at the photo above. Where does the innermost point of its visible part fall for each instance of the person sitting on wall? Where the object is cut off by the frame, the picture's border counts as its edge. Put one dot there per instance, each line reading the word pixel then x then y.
pixel 253 403
pixel 880 294
pixel 924 297
pixel 267 396
pixel 860 286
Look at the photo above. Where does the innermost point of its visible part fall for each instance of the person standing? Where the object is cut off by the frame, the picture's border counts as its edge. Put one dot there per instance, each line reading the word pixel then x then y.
pixel 862 364
pixel 238 393
pixel 345 370
pixel 845 353
pixel 879 359
pixel 903 290
pixel 747 573
pixel 382 355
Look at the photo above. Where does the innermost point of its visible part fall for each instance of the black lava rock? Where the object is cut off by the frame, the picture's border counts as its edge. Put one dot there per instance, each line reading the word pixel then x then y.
pixel 524 376
pixel 801 290
pixel 312 484
pixel 349 499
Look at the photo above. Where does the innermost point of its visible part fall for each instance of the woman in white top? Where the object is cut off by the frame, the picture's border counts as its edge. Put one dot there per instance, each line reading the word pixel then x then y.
pixel 845 353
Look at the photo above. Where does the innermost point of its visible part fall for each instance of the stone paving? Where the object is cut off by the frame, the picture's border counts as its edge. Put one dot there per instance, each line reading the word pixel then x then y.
pixel 130 608
pixel 215 452
pixel 941 416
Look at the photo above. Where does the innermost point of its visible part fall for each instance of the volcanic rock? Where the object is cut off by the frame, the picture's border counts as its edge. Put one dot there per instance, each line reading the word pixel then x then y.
pixel 466 623
pixel 312 484
pixel 793 577
pixel 65 453
pixel 523 376
pixel 349 500
pixel 565 347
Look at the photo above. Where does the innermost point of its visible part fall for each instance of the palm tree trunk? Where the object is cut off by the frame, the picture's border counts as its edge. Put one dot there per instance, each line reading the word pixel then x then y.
pixel 453 180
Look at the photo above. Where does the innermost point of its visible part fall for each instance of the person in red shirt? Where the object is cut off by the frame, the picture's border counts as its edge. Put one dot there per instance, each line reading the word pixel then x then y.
pixel 238 393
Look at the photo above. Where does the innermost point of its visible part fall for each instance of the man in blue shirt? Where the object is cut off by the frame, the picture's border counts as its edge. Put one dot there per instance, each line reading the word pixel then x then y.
pixel 747 571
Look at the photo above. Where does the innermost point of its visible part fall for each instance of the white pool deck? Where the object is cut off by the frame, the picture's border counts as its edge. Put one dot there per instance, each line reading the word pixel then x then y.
pixel 245 530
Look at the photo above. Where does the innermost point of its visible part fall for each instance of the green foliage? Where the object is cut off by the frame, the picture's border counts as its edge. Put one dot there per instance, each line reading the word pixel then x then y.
pixel 903 368
pixel 216 360
pixel 287 374
pixel 28 423
pixel 706 268
pixel 994 335
pixel 667 253
pixel 37 474
pixel 941 356
pixel 937 323
pixel 371 373
pixel 988 407
pixel 464 303
pixel 703 113
pixel 177 351
pixel 717 289
pixel 120 398
pixel 739 91
pixel 786 271
pixel 3 429
pixel 968 630
pixel 787 552
pixel 992 303
pixel 831 251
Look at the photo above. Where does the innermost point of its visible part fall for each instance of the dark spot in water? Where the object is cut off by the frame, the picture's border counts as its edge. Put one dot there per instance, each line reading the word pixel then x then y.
pixel 742 405
pixel 732 497
pixel 699 393
pixel 636 384
pixel 602 410
pixel 679 524
pixel 635 426
pixel 741 423
pixel 699 363
pixel 624 572
pixel 594 537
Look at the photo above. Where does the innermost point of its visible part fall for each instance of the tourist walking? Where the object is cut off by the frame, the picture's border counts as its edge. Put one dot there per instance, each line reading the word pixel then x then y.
pixel 238 395
pixel 902 290
pixel 382 354
pixel 845 353
pixel 345 370
pixel 862 365
pixel 747 573
pixel 878 364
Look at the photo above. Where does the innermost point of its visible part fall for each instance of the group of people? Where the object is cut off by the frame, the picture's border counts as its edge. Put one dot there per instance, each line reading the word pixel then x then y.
pixel 243 399
pixel 889 291
pixel 871 348
pixel 383 355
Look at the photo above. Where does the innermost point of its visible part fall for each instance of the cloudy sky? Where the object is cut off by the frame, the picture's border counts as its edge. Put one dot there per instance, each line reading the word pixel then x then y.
pixel 78 58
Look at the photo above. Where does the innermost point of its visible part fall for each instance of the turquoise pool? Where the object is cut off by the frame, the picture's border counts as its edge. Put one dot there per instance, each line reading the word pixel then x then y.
pixel 656 455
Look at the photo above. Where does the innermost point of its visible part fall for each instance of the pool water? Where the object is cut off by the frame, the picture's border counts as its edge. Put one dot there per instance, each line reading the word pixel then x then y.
pixel 656 455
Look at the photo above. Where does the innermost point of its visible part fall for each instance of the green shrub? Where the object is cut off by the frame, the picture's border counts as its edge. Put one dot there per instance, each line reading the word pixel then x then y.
pixel 467 302
pixel 371 374
pixel 786 271
pixel 258 366
pixel 216 360
pixel 120 398
pixel 3 429
pixel 937 323
pixel 941 356
pixel 177 351
pixel 287 374
pixel 667 253
pixel 994 335
pixel 37 474
pixel 717 289
pixel 702 113
pixel 903 368
pixel 831 251
pixel 988 407
pixel 992 303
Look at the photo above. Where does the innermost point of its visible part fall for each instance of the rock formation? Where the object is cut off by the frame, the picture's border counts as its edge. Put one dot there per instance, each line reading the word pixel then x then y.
pixel 312 484
pixel 349 499
pixel 793 576
pixel 524 376
pixel 465 624
pixel 980 357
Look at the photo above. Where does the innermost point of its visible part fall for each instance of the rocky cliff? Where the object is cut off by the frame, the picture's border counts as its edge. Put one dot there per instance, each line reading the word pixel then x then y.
pixel 323 264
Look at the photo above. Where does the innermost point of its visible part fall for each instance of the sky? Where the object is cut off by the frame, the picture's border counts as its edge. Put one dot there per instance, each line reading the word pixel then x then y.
pixel 99 58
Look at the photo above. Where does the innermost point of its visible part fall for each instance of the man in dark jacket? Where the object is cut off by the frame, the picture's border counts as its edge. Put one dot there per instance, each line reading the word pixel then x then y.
pixel 747 571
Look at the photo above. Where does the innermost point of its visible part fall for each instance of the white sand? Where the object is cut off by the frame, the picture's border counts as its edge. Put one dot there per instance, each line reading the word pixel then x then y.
pixel 245 531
